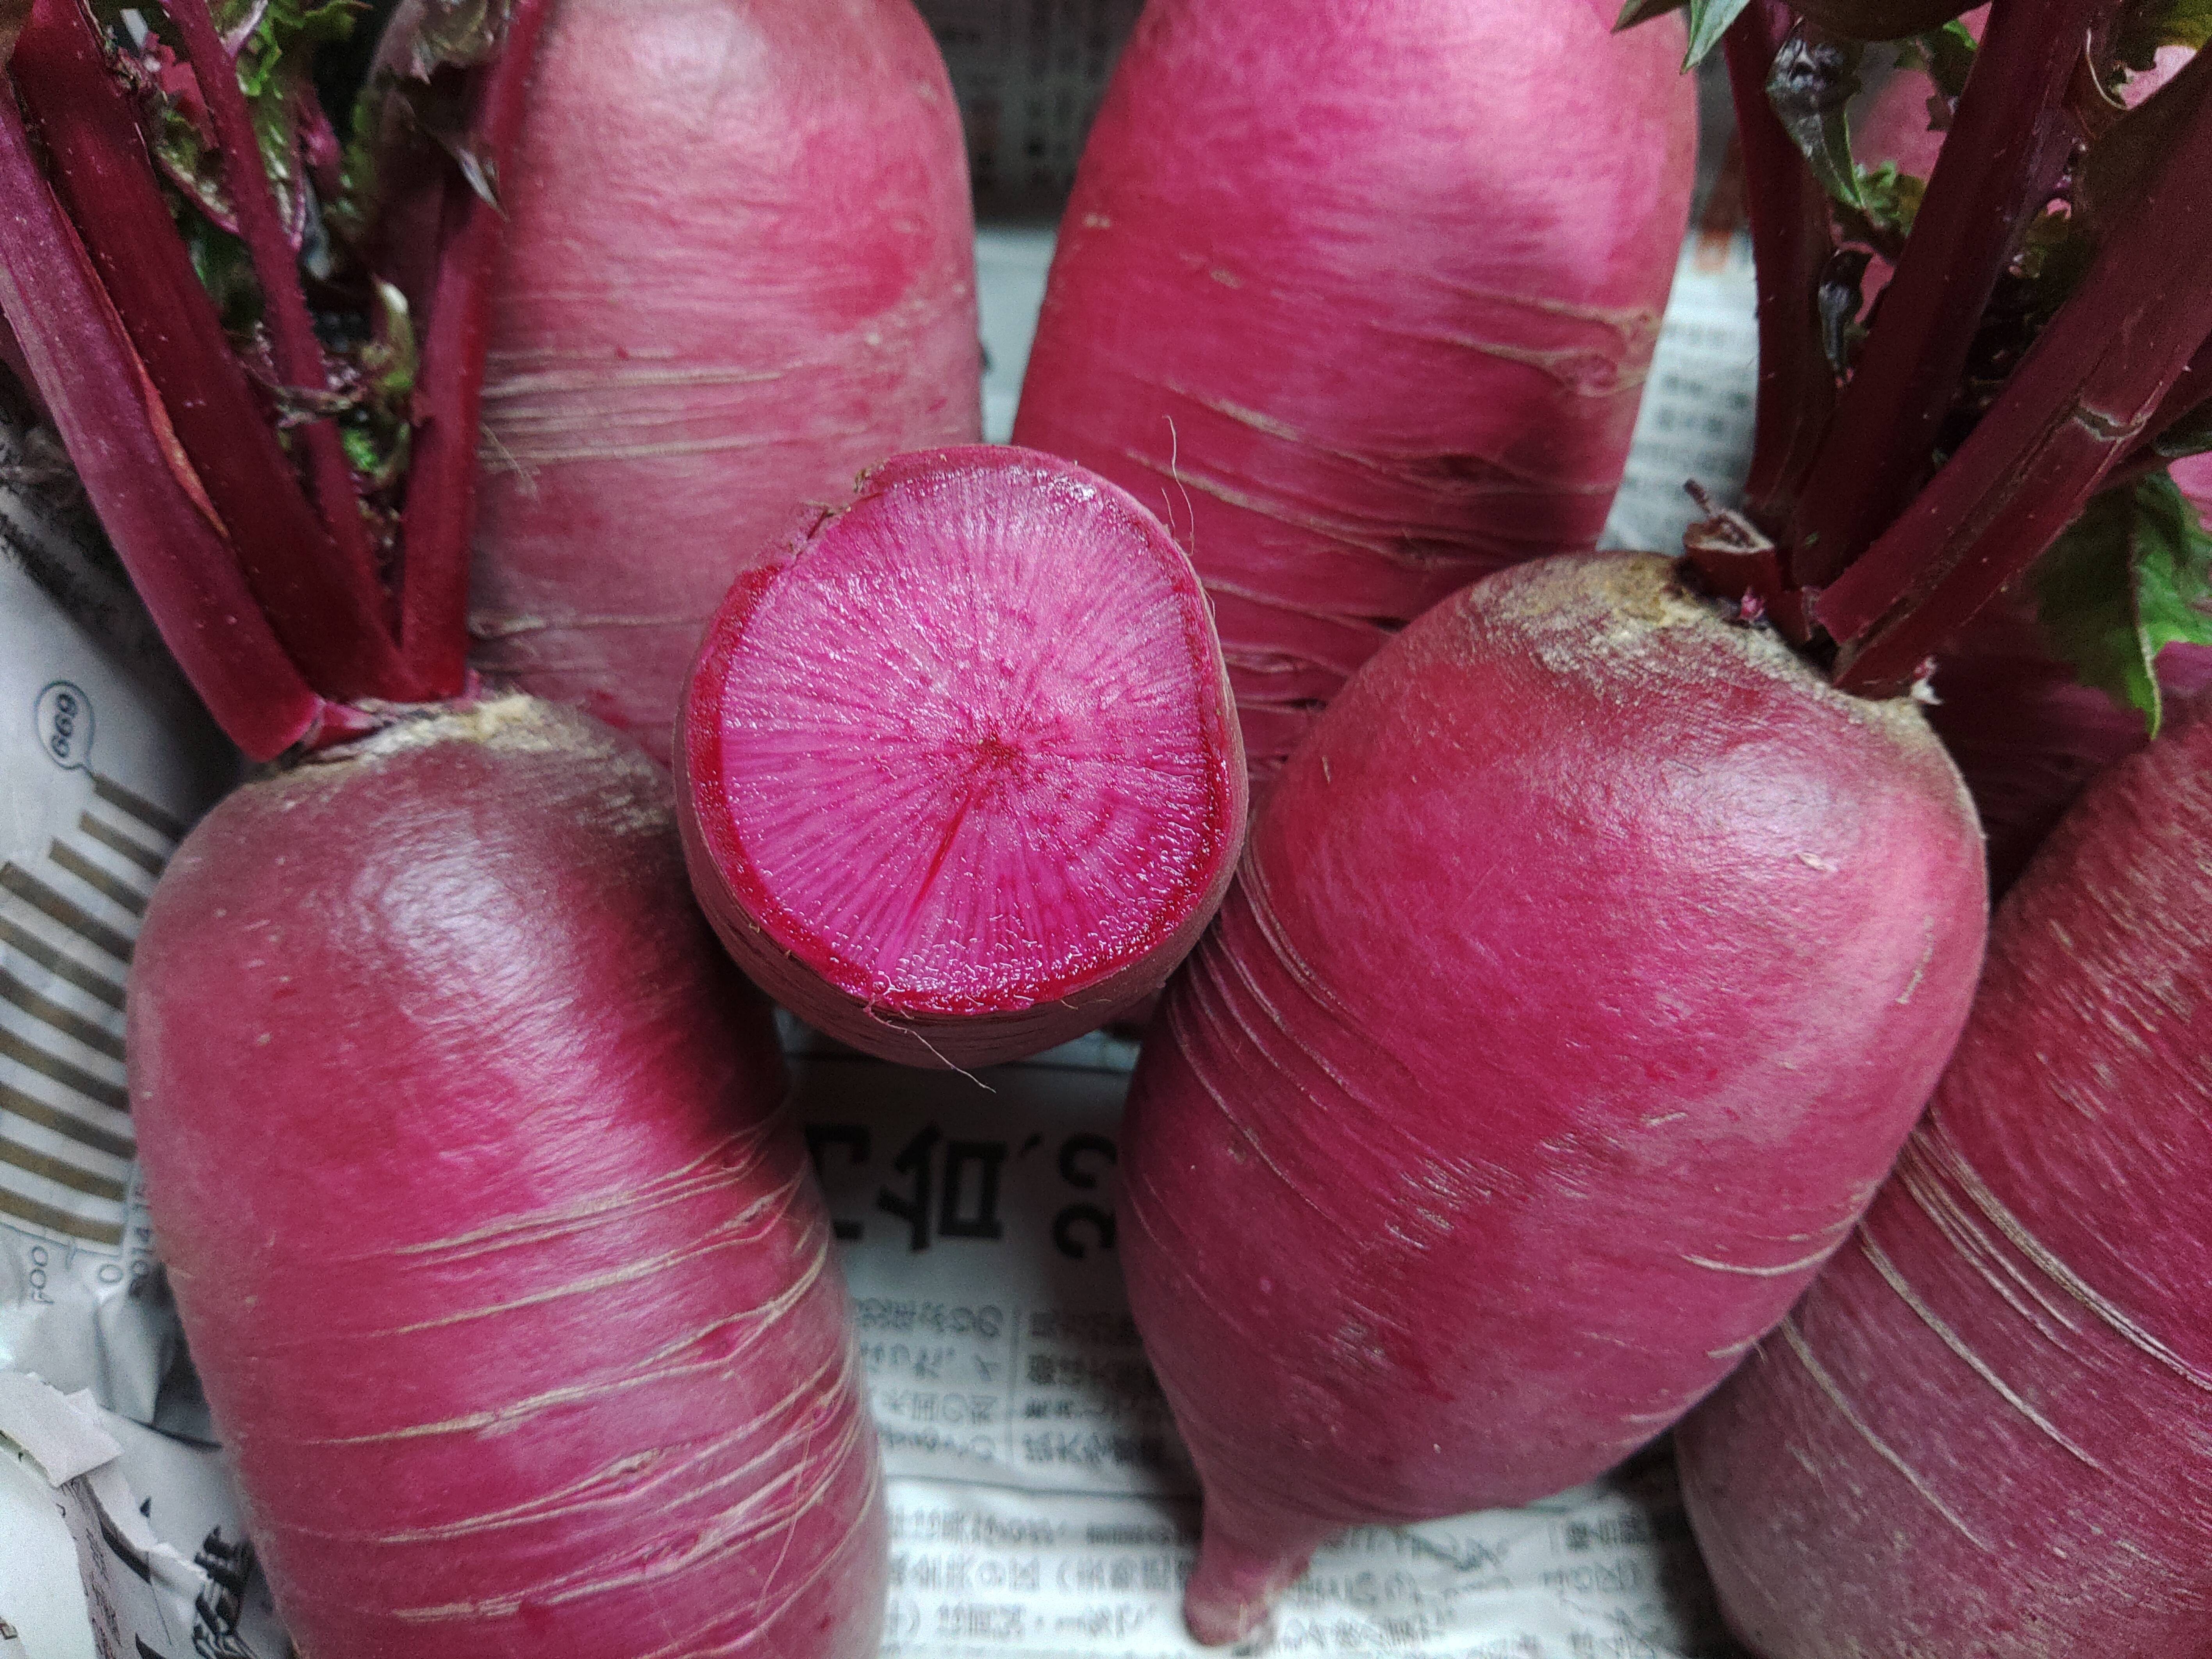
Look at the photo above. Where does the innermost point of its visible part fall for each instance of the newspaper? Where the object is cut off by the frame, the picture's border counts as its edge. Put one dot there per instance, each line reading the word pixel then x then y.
pixel 105 759
pixel 1041 1505
pixel 1028 75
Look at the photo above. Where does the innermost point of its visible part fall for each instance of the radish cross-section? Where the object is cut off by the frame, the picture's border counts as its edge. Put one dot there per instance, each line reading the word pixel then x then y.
pixel 962 777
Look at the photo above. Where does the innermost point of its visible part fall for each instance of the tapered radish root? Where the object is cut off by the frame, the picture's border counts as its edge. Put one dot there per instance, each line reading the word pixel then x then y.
pixel 507 1280
pixel 960 772
pixel 1987 1430
pixel 1588 966
pixel 740 267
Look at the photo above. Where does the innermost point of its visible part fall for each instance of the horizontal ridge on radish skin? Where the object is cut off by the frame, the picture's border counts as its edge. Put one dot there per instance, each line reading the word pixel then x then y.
pixel 1588 964
pixel 502 1265
pixel 739 269
pixel 1987 1430
pixel 1360 300
pixel 959 770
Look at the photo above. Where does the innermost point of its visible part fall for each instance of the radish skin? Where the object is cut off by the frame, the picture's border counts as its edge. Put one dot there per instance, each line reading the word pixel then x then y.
pixel 506 1275
pixel 1586 969
pixel 959 768
pixel 1361 300
pixel 1985 1429
pixel 739 269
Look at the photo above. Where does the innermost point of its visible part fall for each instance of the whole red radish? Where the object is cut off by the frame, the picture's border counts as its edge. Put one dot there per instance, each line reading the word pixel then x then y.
pixel 1360 300
pixel 506 1275
pixel 1987 1430
pixel 740 267
pixel 959 768
pixel 1588 964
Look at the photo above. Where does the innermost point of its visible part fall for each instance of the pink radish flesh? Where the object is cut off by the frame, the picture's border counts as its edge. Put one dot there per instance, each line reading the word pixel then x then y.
pixel 962 776
pixel 1360 300
pixel 1586 968
pixel 1987 1430
pixel 507 1278
pixel 739 269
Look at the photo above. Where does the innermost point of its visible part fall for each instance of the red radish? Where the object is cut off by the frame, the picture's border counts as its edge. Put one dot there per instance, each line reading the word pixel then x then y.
pixel 506 1274
pixel 1360 300
pixel 507 1279
pixel 740 268
pixel 1988 1429
pixel 960 771
pixel 1588 965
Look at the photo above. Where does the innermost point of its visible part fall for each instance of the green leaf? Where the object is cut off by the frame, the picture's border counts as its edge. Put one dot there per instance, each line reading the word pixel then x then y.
pixel 1945 56
pixel 1810 85
pixel 1709 20
pixel 1643 11
pixel 1890 198
pixel 2144 25
pixel 2128 578
pixel 2190 436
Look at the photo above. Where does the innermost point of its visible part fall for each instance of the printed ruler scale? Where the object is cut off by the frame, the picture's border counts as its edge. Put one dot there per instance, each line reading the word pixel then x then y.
pixel 68 921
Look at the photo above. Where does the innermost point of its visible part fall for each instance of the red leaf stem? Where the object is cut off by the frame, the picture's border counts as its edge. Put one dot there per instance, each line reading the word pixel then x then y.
pixel 441 507
pixel 2007 148
pixel 1789 233
pixel 147 496
pixel 297 352
pixel 2080 400
pixel 104 176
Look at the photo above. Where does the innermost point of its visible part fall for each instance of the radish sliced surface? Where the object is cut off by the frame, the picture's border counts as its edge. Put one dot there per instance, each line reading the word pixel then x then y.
pixel 962 751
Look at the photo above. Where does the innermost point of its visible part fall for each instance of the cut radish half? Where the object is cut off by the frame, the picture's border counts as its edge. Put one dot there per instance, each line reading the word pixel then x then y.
pixel 960 769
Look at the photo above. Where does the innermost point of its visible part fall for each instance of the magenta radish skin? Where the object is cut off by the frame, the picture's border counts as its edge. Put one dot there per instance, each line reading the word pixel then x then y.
pixel 1985 1429
pixel 1586 967
pixel 958 765
pixel 1360 300
pixel 507 1276
pixel 739 269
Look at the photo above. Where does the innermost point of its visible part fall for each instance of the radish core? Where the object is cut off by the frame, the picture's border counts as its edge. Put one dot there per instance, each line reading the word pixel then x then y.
pixel 961 760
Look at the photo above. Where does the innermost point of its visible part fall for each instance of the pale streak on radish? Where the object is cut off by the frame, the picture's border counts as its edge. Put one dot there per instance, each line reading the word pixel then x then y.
pixel 2065 1277
pixel 747 1227
pixel 1781 1271
pixel 1911 1298
pixel 1827 1386
pixel 701 1176
pixel 732 1528
pixel 1922 1184
pixel 1599 377
pixel 1636 326
pixel 629 1479
pixel 654 1368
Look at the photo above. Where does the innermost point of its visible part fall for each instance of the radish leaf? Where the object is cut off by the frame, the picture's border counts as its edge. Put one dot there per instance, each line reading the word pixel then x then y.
pixel 2144 25
pixel 1709 20
pixel 1810 85
pixel 2190 436
pixel 1945 56
pixel 2128 578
